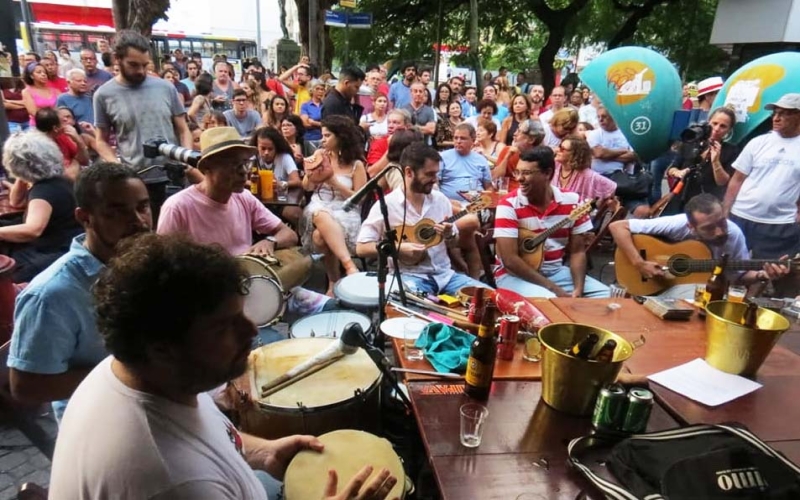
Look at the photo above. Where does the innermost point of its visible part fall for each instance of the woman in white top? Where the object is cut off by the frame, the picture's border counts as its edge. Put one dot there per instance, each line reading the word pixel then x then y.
pixel 375 122
pixel 275 154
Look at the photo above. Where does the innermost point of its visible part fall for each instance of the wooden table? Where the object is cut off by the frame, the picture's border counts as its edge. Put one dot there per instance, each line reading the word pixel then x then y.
pixel 523 448
pixel 516 369
pixel 294 198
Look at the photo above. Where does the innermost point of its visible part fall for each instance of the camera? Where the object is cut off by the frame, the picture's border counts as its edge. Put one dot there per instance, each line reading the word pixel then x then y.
pixel 696 132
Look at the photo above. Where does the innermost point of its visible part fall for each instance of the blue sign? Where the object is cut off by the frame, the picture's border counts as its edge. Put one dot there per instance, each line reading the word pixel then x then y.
pixel 342 19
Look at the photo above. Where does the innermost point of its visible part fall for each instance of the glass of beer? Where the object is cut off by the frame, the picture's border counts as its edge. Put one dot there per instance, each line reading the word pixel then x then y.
pixel 736 293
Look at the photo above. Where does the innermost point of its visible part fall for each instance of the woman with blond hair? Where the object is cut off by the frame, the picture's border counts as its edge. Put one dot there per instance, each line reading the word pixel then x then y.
pixel 563 123
pixel 574 173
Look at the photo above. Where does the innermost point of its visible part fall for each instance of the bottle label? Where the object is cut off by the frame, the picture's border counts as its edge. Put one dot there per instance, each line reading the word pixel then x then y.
pixel 706 298
pixel 478 374
pixel 484 331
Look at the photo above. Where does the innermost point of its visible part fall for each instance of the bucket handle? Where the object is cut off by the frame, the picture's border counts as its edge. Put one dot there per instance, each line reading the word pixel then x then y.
pixel 635 344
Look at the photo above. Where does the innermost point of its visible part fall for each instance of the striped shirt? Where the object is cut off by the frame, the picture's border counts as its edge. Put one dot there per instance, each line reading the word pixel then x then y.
pixel 515 212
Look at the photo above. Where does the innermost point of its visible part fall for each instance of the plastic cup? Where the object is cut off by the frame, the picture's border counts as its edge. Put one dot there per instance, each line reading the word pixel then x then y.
pixel 617 293
pixel 411 332
pixel 736 293
pixel 473 418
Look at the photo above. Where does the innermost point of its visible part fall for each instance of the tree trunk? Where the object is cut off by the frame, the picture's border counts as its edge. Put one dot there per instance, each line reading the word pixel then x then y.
pixel 138 15
pixel 321 38
pixel 474 45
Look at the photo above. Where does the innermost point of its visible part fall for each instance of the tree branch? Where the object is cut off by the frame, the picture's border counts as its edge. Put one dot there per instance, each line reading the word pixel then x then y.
pixel 628 28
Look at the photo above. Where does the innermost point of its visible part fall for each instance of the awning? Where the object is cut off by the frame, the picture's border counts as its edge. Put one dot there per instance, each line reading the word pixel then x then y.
pixel 85 16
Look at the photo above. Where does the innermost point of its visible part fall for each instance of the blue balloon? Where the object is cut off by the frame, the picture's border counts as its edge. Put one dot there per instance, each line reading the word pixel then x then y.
pixel 757 84
pixel 641 90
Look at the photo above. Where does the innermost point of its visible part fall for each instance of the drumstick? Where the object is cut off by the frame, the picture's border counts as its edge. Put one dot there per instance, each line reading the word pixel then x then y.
pixel 425 304
pixel 457 320
pixel 297 378
pixel 333 351
pixel 426 372
pixel 409 312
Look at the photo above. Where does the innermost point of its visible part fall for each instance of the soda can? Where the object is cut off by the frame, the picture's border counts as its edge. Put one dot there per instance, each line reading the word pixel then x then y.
pixel 476 306
pixel 509 329
pixel 609 409
pixel 640 403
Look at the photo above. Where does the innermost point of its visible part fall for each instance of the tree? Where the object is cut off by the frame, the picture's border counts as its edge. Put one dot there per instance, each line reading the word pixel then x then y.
pixel 138 15
pixel 322 38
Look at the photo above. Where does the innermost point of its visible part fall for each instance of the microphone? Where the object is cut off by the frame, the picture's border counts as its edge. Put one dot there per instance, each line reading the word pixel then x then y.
pixel 371 184
pixel 160 147
pixel 352 338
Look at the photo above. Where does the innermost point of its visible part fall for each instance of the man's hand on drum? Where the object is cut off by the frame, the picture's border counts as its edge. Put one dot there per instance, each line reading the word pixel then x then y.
pixel 358 488
pixel 262 249
pixel 273 456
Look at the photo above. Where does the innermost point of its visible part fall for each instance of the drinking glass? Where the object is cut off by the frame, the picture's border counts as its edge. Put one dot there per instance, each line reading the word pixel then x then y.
pixel 411 332
pixel 473 416
pixel 502 185
pixel 531 347
pixel 617 293
pixel 736 293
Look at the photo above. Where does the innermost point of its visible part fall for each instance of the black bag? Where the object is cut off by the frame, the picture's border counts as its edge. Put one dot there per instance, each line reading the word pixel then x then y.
pixel 636 185
pixel 699 462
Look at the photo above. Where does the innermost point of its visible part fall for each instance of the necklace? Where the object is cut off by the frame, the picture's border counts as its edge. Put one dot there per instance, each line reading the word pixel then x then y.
pixel 564 180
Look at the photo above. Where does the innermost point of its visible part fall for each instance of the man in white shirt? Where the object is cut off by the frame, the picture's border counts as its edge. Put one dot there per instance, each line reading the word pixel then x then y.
pixel 141 425
pixel 764 192
pixel 424 269
pixel 703 220
pixel 558 99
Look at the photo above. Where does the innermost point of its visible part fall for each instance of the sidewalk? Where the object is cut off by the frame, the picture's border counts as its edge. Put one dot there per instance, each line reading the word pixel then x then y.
pixel 20 461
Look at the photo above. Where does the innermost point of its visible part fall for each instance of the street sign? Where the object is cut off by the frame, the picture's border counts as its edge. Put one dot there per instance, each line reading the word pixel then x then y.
pixel 342 19
pixel 349 4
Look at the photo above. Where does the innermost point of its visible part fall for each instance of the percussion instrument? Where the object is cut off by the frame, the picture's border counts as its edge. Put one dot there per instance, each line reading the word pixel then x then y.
pixel 328 324
pixel 347 452
pixel 343 395
pixel 271 278
pixel 360 291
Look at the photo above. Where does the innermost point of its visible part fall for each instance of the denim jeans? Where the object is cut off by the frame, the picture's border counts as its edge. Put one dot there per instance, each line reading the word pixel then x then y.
pixel 272 486
pixel 562 277
pixel 658 168
pixel 428 285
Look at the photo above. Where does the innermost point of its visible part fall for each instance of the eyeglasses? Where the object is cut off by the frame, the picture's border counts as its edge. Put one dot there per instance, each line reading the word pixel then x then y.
pixel 562 148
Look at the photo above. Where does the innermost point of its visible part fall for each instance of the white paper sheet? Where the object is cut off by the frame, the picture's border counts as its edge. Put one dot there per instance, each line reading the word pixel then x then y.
pixel 700 382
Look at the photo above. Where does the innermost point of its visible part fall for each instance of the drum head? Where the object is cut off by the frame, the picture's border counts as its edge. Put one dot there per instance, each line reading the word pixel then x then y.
pixel 254 265
pixel 346 451
pixel 361 289
pixel 328 324
pixel 264 303
pixel 333 384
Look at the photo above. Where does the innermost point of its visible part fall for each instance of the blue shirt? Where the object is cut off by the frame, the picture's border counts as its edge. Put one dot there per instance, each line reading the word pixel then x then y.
pixel 502 113
pixel 457 171
pixel 189 85
pixel 313 111
pixel 55 328
pixel 399 94
pixel 81 107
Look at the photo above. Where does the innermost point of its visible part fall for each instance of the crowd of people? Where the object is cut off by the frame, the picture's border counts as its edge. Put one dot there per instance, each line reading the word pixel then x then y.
pixel 133 311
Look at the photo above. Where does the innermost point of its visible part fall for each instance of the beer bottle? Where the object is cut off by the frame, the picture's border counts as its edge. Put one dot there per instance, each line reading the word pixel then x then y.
pixel 717 284
pixel 750 316
pixel 480 366
pixel 585 347
pixel 606 353
pixel 255 180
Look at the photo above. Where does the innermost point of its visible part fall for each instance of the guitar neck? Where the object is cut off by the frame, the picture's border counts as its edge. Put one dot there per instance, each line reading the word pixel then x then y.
pixel 542 237
pixel 707 265
pixel 456 216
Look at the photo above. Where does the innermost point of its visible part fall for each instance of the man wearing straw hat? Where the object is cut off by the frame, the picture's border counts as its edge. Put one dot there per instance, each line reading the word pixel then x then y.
pixel 219 211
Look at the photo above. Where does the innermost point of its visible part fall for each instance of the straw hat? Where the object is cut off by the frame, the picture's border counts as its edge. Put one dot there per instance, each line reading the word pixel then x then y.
pixel 219 139
pixel 709 85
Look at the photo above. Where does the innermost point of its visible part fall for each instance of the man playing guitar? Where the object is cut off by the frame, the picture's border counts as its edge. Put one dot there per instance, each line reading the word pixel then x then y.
pixel 424 269
pixel 537 206
pixel 703 220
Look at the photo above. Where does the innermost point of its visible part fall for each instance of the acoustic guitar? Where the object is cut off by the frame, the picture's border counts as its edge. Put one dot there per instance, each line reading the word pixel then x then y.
pixel 531 244
pixel 685 262
pixel 423 232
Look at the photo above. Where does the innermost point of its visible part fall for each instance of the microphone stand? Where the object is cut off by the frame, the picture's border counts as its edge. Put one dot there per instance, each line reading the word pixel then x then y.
pixel 387 247
pixel 383 364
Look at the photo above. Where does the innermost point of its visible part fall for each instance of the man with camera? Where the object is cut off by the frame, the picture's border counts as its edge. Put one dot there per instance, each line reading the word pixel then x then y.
pixel 764 192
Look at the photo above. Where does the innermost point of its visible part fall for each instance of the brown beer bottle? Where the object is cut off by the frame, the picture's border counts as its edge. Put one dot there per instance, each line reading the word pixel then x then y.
pixel 585 347
pixel 606 353
pixel 480 366
pixel 717 284
pixel 750 316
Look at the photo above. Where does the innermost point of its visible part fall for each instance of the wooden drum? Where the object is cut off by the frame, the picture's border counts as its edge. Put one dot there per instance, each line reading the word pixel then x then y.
pixel 343 395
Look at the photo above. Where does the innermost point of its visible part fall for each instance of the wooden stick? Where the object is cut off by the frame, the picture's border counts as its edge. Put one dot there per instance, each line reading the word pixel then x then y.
pixel 297 378
pixel 426 372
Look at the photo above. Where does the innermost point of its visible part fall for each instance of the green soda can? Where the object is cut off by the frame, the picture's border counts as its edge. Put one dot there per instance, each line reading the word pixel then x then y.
pixel 640 403
pixel 609 409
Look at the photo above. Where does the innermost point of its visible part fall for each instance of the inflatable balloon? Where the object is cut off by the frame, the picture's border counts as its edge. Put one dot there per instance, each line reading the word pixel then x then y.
pixel 757 84
pixel 641 90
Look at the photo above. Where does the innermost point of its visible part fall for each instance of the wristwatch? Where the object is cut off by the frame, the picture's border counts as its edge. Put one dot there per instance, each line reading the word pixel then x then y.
pixel 272 239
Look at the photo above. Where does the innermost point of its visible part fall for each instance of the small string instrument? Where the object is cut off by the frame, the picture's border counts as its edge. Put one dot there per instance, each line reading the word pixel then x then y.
pixel 423 232
pixel 531 244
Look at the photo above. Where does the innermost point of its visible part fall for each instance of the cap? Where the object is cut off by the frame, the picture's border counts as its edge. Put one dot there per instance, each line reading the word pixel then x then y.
pixel 787 101
pixel 709 85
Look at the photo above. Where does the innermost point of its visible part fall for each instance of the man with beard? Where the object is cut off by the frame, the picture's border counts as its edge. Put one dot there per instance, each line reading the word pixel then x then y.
pixel 138 108
pixel 55 341
pixel 141 424
pixel 424 269
pixel 400 91
pixel 536 93
pixel 537 206
pixel 703 220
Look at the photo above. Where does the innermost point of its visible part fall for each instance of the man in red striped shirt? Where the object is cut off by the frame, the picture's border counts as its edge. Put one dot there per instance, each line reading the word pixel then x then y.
pixel 537 206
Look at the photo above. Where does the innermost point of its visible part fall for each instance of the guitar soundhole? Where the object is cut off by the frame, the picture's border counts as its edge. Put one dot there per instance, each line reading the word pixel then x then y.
pixel 679 265
pixel 426 234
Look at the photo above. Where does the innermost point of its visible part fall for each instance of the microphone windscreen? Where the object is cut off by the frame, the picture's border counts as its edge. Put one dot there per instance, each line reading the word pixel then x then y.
pixel 352 338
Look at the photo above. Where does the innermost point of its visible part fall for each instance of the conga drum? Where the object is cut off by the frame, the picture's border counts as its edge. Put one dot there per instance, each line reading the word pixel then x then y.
pixel 359 291
pixel 346 451
pixel 343 395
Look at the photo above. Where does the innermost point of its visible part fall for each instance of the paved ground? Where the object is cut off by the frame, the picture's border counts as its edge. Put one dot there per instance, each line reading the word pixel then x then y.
pixel 20 461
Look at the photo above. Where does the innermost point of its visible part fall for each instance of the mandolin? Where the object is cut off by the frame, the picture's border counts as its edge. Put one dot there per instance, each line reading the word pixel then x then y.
pixel 423 232
pixel 531 244
pixel 685 262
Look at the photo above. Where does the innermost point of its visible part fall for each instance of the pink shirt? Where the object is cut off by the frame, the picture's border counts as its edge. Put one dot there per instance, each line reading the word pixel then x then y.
pixel 206 221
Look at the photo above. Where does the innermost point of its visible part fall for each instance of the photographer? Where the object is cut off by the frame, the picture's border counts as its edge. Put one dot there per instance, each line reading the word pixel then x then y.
pixel 706 158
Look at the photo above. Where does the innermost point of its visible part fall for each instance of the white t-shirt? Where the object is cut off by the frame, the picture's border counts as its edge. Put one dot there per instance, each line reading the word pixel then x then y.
pixel 473 120
pixel 588 113
pixel 772 187
pixel 675 228
pixel 376 129
pixel 282 166
pixel 115 442
pixel 608 140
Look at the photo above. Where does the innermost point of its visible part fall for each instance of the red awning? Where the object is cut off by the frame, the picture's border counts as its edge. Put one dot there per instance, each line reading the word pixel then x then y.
pixel 85 16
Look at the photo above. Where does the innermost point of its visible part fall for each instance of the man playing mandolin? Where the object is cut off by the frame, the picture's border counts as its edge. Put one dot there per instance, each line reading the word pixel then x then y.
pixel 536 207
pixel 703 220
pixel 424 262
